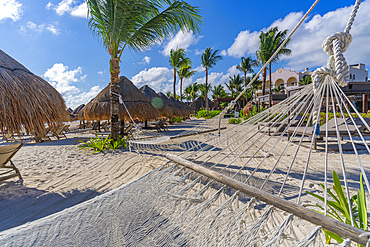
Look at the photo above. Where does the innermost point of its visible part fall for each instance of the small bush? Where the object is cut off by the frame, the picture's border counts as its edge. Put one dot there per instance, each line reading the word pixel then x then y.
pixel 203 113
pixel 235 121
pixel 177 119
pixel 98 144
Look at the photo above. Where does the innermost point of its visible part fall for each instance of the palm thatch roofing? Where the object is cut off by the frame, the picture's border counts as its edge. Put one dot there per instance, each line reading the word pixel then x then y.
pixel 27 100
pixel 183 109
pixel 200 104
pixel 186 107
pixel 78 109
pixel 137 104
pixel 157 101
pixel 176 111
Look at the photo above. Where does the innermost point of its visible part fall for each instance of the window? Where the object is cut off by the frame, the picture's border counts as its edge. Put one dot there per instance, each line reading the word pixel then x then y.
pixel 350 76
pixel 354 77
pixel 365 78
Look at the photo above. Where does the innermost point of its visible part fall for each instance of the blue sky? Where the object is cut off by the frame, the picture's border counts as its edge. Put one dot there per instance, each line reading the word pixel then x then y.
pixel 52 39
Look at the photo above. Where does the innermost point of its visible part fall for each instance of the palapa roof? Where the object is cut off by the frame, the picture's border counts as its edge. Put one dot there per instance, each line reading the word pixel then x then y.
pixel 137 104
pixel 26 99
pixel 157 101
pixel 183 109
pixel 176 111
pixel 199 104
pixel 78 109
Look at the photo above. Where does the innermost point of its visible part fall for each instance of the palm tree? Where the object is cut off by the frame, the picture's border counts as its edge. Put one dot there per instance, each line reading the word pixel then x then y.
pixel 305 80
pixel 209 60
pixel 169 94
pixel 120 24
pixel 255 85
pixel 269 43
pixel 235 83
pixel 279 88
pixel 204 88
pixel 194 91
pixel 187 91
pixel 185 72
pixel 246 66
pixel 177 60
pixel 218 92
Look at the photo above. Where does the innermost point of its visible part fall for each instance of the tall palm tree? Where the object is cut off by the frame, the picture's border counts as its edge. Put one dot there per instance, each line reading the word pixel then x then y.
pixel 269 43
pixel 305 80
pixel 235 85
pixel 177 60
pixel 218 92
pixel 194 91
pixel 204 88
pixel 122 23
pixel 187 91
pixel 209 59
pixel 246 66
pixel 255 85
pixel 185 72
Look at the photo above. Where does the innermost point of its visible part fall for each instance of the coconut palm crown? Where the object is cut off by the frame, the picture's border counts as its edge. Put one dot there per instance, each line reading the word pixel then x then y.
pixel 185 72
pixel 246 66
pixel 136 24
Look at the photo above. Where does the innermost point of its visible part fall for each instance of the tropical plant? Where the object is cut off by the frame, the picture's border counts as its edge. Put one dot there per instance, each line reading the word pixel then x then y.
pixel 177 60
pixel 269 44
pixel 169 94
pixel 99 144
pixel 194 91
pixel 279 88
pixel 187 92
pixel 211 114
pixel 235 121
pixel 235 85
pixel 209 59
pixel 185 72
pixel 255 85
pixel 305 80
pixel 246 66
pixel 203 88
pixel 218 92
pixel 340 210
pixel 120 142
pixel 136 25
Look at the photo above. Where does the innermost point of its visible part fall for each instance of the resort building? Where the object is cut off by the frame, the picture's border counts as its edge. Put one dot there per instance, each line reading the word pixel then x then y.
pixel 288 78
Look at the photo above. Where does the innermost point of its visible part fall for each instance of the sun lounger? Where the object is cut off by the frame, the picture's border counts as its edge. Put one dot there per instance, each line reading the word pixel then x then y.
pixel 127 131
pixel 9 137
pixel 58 133
pixel 105 126
pixel 66 128
pixel 6 153
pixel 332 129
pixel 39 137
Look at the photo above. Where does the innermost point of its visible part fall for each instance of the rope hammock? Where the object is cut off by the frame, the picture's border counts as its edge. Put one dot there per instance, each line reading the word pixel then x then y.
pixel 242 186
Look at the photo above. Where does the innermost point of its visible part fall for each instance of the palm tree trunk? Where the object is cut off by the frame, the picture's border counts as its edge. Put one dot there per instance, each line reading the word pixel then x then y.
pixel 181 88
pixel 114 98
pixel 206 98
pixel 174 83
pixel 264 81
pixel 270 96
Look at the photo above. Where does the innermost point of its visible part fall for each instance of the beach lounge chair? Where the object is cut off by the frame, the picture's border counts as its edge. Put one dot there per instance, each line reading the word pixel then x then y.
pixel 332 129
pixel 66 128
pixel 9 137
pixel 6 153
pixel 127 131
pixel 161 124
pixel 42 137
pixel 58 133
pixel 105 126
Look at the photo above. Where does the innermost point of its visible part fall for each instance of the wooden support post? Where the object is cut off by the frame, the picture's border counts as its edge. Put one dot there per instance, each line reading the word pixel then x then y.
pixel 330 224
pixel 364 103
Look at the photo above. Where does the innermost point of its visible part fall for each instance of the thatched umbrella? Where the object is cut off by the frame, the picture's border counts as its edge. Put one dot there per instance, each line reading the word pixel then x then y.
pixel 137 104
pixel 186 107
pixel 176 111
pixel 184 111
pixel 26 99
pixel 78 109
pixel 157 102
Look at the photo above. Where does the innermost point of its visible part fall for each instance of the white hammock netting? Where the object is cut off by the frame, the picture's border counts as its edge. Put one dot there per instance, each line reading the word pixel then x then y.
pixel 283 151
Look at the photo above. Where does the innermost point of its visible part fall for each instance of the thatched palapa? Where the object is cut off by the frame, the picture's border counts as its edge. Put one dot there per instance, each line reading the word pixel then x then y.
pixel 176 111
pixel 183 109
pixel 157 101
pixel 26 99
pixel 137 104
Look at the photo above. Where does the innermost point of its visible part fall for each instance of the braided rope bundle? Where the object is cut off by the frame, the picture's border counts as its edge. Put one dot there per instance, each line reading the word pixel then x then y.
pixel 337 68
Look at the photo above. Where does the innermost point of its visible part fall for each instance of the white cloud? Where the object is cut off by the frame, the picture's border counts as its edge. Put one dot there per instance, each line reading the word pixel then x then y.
pixel 42 27
pixel 306 42
pixel 100 72
pixel 62 79
pixel 145 60
pixel 10 9
pixel 181 40
pixel 158 78
pixel 69 6
pixel 198 52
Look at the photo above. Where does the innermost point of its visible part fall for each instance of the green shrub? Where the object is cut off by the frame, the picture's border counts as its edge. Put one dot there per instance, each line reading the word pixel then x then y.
pixel 203 113
pixel 235 121
pixel 177 119
pixel 98 144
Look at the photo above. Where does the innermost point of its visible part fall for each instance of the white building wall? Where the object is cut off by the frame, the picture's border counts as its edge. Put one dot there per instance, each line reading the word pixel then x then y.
pixel 358 73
